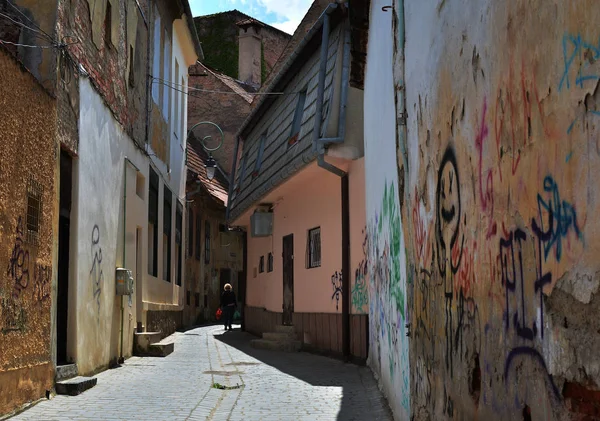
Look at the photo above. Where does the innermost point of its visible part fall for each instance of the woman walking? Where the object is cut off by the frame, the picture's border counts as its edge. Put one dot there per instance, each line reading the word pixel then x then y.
pixel 228 304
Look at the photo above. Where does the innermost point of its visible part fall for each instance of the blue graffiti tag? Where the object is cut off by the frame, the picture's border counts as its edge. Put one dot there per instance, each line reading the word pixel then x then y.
pixel 562 217
pixel 588 54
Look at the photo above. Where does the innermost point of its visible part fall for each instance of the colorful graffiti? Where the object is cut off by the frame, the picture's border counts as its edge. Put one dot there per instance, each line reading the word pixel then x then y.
pixel 387 289
pixel 360 293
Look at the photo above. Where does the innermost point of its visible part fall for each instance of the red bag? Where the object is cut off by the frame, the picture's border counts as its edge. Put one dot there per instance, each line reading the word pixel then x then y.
pixel 219 313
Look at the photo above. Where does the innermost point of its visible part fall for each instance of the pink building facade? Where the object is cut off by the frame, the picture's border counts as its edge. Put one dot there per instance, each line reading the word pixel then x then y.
pixel 302 171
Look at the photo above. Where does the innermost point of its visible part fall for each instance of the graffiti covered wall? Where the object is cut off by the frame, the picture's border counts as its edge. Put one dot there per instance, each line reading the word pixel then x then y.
pixel 28 167
pixel 386 261
pixel 500 197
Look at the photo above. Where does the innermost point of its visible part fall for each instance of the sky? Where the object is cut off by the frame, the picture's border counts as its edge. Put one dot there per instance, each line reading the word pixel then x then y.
pixel 282 14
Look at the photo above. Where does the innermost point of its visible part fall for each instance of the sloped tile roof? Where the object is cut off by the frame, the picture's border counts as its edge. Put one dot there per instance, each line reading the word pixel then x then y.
pixel 216 187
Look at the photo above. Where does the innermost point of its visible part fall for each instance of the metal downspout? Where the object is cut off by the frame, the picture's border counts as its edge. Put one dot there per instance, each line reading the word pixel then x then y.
pixel 401 89
pixel 232 178
pixel 341 132
pixel 345 192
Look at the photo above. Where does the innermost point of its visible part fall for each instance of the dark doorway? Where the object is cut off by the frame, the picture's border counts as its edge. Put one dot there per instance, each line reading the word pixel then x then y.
pixel 288 279
pixel 64 238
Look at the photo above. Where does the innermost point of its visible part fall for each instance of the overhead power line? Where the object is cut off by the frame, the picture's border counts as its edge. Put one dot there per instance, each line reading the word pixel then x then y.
pixel 171 84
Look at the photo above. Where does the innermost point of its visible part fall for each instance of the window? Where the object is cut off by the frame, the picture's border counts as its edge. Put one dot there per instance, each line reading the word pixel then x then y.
pixel 297 122
pixel 188 297
pixel 34 211
pixel 198 237
pixel 153 224
pixel 178 242
pixel 261 150
pixel 131 71
pixel 242 173
pixel 314 248
pixel 183 109
pixel 167 236
pixel 176 101
pixel 190 239
pixel 166 76
pixel 261 264
pixel 270 263
pixel 197 299
pixel 156 58
pixel 108 23
pixel 207 242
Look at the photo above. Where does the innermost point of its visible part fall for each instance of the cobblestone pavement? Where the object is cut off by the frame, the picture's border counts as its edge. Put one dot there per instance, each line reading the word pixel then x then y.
pixel 273 386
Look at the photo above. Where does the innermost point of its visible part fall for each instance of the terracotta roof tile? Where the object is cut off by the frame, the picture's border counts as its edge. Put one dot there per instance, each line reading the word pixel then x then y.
pixel 195 162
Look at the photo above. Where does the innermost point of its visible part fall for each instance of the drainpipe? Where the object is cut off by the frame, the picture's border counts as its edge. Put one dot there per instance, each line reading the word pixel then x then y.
pixel 319 146
pixel 232 178
pixel 126 160
pixel 401 88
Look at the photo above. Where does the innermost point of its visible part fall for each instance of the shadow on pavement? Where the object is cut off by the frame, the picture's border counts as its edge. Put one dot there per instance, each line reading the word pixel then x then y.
pixel 361 400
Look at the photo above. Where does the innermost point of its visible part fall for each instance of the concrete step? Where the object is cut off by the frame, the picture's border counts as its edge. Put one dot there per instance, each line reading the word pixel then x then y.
pixel 161 349
pixel 65 372
pixel 284 346
pixel 75 386
pixel 284 329
pixel 279 336
pixel 143 340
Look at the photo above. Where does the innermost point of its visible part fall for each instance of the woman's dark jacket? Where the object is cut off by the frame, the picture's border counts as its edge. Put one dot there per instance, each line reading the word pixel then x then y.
pixel 227 298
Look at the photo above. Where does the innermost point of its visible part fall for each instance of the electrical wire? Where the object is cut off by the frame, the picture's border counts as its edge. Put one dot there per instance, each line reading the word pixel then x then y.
pixel 27 45
pixel 168 84
pixel 43 35
pixel 30 20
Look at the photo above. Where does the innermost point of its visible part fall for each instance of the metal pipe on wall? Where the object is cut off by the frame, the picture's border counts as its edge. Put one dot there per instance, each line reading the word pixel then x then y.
pixel 319 146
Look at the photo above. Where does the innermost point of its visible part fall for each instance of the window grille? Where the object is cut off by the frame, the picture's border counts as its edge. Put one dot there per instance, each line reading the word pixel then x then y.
pixel 34 211
pixel 314 248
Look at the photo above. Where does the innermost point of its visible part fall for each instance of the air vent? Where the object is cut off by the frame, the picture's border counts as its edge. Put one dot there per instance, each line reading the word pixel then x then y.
pixel 261 224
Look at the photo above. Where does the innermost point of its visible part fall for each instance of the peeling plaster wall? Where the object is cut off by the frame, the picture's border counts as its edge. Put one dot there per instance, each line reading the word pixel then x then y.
pixel 27 267
pixel 98 199
pixel 500 201
pixel 386 261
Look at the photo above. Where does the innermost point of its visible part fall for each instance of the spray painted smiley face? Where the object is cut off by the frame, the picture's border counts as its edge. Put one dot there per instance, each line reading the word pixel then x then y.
pixel 448 207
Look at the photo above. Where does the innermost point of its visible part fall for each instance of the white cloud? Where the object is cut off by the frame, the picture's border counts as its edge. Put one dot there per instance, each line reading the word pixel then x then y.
pixel 289 13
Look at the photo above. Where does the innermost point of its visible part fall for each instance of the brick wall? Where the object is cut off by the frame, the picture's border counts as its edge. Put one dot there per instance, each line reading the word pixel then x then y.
pixel 225 109
pixel 106 61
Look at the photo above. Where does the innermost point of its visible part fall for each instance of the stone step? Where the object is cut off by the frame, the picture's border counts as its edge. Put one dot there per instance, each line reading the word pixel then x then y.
pixel 65 372
pixel 284 346
pixel 279 336
pixel 143 340
pixel 284 329
pixel 75 386
pixel 161 349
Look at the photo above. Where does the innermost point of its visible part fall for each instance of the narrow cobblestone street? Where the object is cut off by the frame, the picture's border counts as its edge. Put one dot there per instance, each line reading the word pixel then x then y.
pixel 274 386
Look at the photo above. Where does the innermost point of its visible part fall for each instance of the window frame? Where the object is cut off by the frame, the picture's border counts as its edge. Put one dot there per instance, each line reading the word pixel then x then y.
pixel 179 242
pixel 261 264
pixel 297 121
pixel 198 250
pixel 167 230
pixel 259 154
pixel 270 262
pixel 207 242
pixel 313 235
pixel 153 187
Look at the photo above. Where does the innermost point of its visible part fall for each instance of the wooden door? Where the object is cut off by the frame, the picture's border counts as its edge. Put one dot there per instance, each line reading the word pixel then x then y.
pixel 288 279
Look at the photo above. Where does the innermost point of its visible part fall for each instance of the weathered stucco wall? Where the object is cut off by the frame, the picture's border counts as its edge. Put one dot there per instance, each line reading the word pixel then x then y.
pixel 28 162
pixel 98 200
pixel 386 259
pixel 502 160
